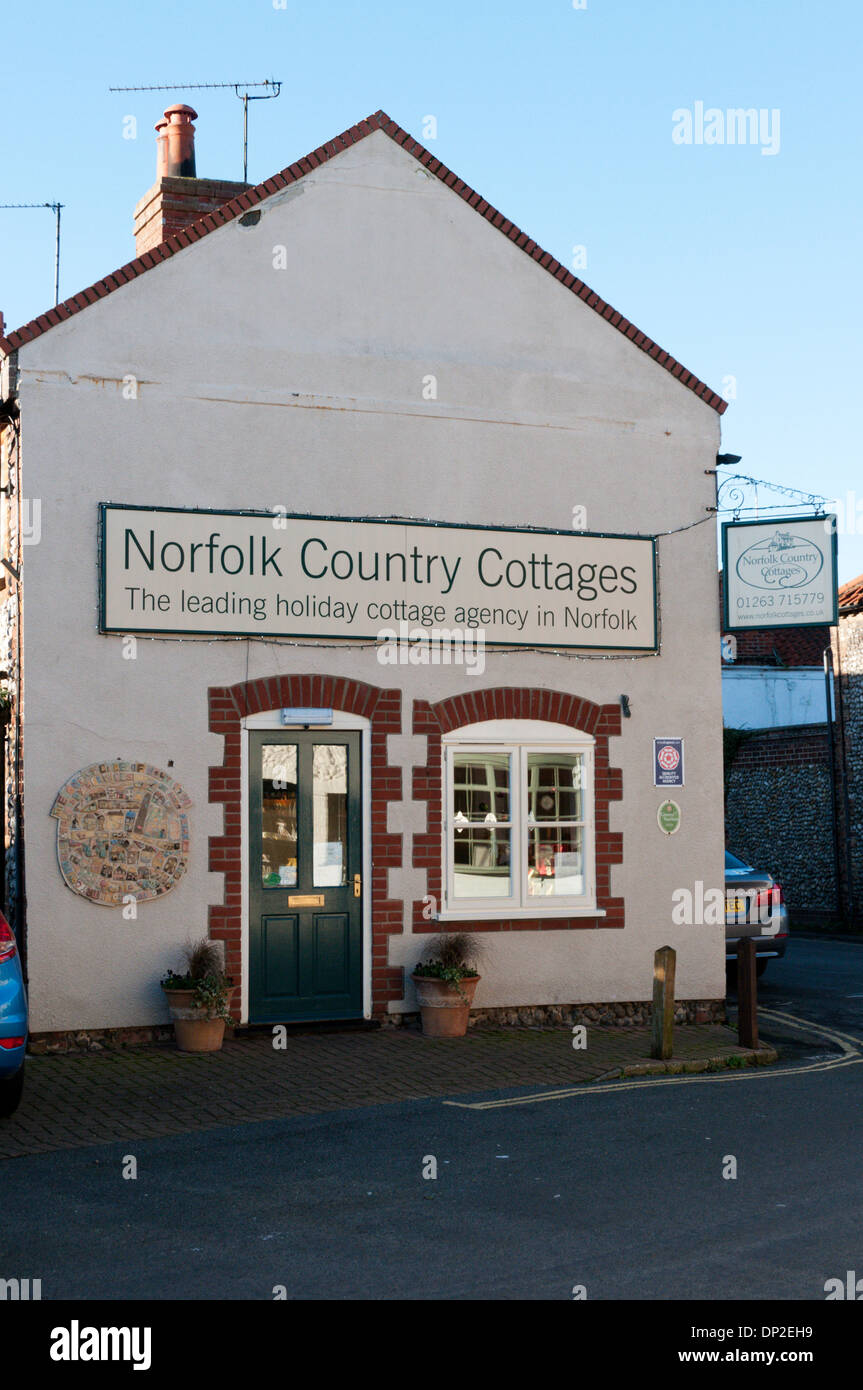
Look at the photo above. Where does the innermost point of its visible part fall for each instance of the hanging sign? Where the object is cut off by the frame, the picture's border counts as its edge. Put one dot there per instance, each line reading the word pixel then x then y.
pixel 166 570
pixel 779 573
pixel 668 817
pixel 668 762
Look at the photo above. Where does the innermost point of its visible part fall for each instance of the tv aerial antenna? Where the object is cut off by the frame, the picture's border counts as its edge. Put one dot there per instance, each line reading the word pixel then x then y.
pixel 243 90
pixel 55 208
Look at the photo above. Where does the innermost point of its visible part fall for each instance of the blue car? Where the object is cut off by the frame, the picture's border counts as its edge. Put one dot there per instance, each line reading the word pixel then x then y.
pixel 13 1021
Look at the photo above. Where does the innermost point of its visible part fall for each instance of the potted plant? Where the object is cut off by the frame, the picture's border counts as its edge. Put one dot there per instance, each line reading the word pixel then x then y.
pixel 445 983
pixel 199 999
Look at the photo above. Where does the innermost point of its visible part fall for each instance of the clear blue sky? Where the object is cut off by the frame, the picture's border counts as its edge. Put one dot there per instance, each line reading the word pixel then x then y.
pixel 741 264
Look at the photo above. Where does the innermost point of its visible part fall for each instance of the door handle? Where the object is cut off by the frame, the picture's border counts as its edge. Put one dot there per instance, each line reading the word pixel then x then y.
pixel 358 885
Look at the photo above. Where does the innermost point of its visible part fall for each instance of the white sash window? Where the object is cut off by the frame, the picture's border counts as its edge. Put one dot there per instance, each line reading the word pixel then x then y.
pixel 518 821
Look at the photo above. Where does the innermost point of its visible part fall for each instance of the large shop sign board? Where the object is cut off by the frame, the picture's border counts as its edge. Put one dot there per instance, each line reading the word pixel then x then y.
pixel 779 573
pixel 166 570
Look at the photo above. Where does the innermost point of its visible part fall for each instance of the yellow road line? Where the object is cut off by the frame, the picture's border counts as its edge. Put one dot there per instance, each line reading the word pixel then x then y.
pixel 851 1054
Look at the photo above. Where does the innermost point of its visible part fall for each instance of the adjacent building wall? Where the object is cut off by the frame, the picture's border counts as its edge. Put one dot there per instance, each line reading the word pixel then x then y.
pixel 778 815
pixel 11 541
pixel 849 639
pixel 769 697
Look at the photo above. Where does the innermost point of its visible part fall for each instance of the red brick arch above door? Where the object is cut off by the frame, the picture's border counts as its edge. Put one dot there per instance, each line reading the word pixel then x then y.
pixel 511 703
pixel 228 707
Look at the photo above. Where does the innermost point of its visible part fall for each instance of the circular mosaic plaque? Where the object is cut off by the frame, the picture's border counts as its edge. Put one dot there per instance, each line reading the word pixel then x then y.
pixel 122 832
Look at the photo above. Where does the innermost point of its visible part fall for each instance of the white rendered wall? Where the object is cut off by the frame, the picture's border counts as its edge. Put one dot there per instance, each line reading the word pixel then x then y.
pixel 304 387
pixel 764 697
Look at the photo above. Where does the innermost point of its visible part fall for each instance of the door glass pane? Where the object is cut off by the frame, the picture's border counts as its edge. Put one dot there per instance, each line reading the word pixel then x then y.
pixel 481 829
pixel 279 815
pixel 555 861
pixel 555 786
pixel 330 814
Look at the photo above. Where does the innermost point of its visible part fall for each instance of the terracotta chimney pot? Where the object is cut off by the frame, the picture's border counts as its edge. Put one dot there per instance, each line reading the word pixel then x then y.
pixel 161 149
pixel 180 141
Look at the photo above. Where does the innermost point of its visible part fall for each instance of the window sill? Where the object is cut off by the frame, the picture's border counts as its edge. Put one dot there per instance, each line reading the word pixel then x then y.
pixel 513 914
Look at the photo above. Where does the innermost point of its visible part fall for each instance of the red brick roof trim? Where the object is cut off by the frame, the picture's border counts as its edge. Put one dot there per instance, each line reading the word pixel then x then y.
pixel 249 197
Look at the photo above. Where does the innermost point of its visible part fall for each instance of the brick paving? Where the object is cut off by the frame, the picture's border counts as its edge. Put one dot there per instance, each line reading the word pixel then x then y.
pixel 77 1099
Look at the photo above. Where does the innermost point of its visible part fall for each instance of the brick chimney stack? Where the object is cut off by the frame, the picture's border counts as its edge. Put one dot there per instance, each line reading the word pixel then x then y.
pixel 178 197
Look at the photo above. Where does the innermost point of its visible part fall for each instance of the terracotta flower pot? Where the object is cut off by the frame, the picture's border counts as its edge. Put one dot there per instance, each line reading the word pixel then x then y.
pixel 194 1029
pixel 444 1011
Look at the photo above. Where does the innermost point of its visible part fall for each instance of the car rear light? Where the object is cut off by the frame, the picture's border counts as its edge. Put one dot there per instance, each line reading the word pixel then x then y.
pixel 770 897
pixel 8 946
pixel 11 1042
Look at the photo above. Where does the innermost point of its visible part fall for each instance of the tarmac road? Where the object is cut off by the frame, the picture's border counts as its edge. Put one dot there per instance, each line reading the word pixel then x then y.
pixel 622 1194
pixel 819 979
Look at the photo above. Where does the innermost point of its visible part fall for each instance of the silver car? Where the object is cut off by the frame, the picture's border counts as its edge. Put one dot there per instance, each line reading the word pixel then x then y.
pixel 754 907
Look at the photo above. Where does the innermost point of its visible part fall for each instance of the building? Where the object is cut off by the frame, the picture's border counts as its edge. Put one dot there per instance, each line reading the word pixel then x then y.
pixel 848 666
pixel 779 784
pixel 793 777
pixel 352 401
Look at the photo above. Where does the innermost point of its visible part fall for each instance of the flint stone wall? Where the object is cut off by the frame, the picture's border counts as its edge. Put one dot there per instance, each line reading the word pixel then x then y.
pixel 778 814
pixel 851 650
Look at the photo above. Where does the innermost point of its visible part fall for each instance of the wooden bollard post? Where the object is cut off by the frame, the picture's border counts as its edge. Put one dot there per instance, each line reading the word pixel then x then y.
pixel 662 1023
pixel 747 993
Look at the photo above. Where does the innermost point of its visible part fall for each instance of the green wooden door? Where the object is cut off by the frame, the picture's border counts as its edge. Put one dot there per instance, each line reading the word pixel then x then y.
pixel 305 876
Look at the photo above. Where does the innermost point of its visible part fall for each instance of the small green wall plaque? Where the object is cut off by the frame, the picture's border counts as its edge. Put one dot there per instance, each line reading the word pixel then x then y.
pixel 668 817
